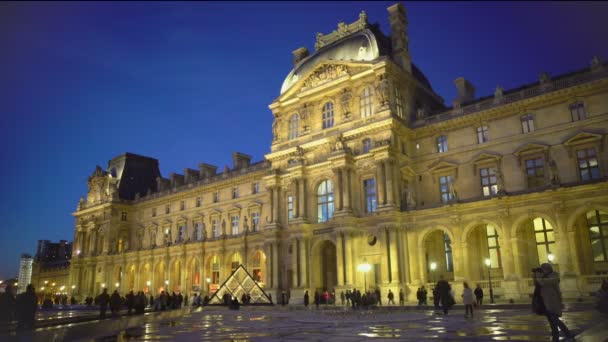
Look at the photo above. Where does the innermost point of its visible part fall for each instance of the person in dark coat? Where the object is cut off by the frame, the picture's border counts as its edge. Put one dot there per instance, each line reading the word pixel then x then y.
pixel 27 304
pixel 478 294
pixel 552 299
pixel 306 299
pixel 443 289
pixel 103 300
pixel 436 298
pixel 401 297
pixel 130 302
pixel 115 303
pixel 8 304
pixel 377 293
pixel 317 299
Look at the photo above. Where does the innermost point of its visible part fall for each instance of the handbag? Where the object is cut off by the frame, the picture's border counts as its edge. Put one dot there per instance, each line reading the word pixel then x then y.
pixel 538 305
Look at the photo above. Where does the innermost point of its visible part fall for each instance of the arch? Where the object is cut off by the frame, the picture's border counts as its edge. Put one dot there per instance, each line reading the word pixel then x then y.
pixel 257 265
pixel 483 240
pixel 145 276
pixel 160 275
pixel 530 216
pixel 438 251
pixel 213 272
pixel 325 200
pixel 589 239
pixel 576 213
pixel 426 231
pixel 533 241
pixel 194 279
pixel 474 224
pixel 176 276
pixel 324 265
pixel 130 284
pixel 233 261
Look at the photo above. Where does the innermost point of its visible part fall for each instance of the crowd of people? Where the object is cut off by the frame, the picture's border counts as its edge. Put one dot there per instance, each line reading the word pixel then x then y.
pixel 21 308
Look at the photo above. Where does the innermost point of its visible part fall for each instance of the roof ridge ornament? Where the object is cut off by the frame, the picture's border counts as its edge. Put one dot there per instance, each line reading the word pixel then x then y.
pixel 342 31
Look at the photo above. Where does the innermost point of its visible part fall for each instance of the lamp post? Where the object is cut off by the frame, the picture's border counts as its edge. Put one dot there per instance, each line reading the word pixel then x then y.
pixel 433 268
pixel 364 267
pixel 551 257
pixel 489 263
pixel 73 287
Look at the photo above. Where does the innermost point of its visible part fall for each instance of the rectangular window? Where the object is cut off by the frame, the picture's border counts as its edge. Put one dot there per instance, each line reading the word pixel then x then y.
pixel 290 207
pixel 255 188
pixel 153 212
pixel 198 232
pixel 442 144
pixel 367 145
pixel 168 209
pixel 577 111
pixel 182 205
pixel 235 193
pixel 182 233
pixel 527 123
pixel 235 225
pixel 123 216
pixel 255 221
pixel 199 201
pixel 488 181
pixel 216 196
pixel 482 134
pixel 445 187
pixel 370 195
pixel 215 228
pixel 365 102
pixel 588 167
pixel 535 171
pixel 493 246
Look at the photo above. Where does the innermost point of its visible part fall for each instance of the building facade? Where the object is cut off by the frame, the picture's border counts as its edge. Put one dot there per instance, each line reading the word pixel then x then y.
pixel 51 268
pixel 369 166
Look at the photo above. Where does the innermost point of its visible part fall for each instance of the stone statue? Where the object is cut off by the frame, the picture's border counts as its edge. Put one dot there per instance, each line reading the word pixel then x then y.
pixel 340 143
pixel 554 172
pixel 245 225
pixel 223 227
pixel 453 193
pixel 383 90
pixel 153 237
pixel 345 100
pixel 500 181
pixel 498 94
pixel 410 198
pixel 275 129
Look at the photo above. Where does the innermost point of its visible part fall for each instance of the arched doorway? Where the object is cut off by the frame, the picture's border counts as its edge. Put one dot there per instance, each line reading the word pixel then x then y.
pixel 437 256
pixel 483 242
pixel 159 277
pixel 145 278
pixel 130 285
pixel 325 275
pixel 257 267
pixel 535 245
pixel 212 269
pixel 175 283
pixel 195 276
pixel 591 235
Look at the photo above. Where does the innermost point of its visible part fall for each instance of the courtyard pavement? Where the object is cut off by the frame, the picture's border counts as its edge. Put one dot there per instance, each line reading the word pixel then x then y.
pixel 329 324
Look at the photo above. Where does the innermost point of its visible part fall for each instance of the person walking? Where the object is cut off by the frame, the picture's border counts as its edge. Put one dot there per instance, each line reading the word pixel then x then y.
pixel 479 295
pixel 391 297
pixel 401 297
pixel 443 289
pixel 377 293
pixel 548 281
pixel 306 299
pixel 423 295
pixel 27 303
pixel 103 300
pixel 342 297
pixel 467 300
pixel 130 302
pixel 317 299
pixel 115 303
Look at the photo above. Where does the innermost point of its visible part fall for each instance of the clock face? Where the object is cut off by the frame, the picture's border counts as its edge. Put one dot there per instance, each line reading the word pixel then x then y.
pixel 371 240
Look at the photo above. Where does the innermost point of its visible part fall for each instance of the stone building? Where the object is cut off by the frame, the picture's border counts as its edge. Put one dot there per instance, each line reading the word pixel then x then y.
pixel 369 166
pixel 51 268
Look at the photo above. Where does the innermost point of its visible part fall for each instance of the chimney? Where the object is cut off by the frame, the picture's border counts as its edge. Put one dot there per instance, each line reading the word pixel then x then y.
pixel 299 54
pixel 465 91
pixel 206 170
pixel 190 175
pixel 176 179
pixel 399 38
pixel 240 160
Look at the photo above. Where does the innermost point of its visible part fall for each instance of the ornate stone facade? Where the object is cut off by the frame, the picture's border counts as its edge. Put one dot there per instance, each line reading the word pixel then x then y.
pixel 368 165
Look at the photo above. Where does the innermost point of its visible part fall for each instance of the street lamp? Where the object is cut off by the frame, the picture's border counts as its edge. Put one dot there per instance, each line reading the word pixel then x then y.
pixel 103 286
pixel 489 263
pixel 551 257
pixel 117 284
pixel 364 267
pixel 73 287
pixel 433 268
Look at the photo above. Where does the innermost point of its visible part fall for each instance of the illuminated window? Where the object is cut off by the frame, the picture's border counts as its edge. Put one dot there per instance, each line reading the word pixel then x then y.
pixel 255 221
pixel 290 207
pixel 257 267
pixel 493 246
pixel 445 184
pixel 215 228
pixel 255 188
pixel 325 201
pixel 366 102
pixel 482 134
pixel 235 193
pixel 234 264
pixel 577 111
pixel 597 222
pixel 294 127
pixel 235 225
pixel 370 195
pixel 488 181
pixel 198 232
pixel 442 144
pixel 527 123
pixel 588 167
pixel 199 201
pixel 328 115
pixel 535 171
pixel 545 239
pixel 215 270
pixel 367 145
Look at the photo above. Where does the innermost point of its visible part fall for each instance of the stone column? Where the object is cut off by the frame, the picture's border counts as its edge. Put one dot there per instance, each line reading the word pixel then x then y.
pixel 394 255
pixel 389 184
pixel 294 263
pixel 302 198
pixel 347 188
pixel 459 260
pixel 275 265
pixel 516 257
pixel 508 264
pixel 338 188
pixel 422 264
pixel 414 256
pixel 466 263
pixel 381 184
pixel 341 264
pixel 348 262
pixel 304 263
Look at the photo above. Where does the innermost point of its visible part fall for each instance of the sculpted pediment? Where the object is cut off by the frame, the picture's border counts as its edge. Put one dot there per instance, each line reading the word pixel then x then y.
pixel 486 157
pixel 530 149
pixel 583 138
pixel 325 73
pixel 443 166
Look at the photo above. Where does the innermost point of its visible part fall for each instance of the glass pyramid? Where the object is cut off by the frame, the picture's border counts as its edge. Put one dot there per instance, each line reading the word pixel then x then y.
pixel 240 282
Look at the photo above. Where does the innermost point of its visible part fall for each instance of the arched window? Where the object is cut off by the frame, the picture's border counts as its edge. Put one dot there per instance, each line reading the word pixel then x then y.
pixel 366 102
pixel 325 201
pixel 597 222
pixel 294 125
pixel 328 115
pixel 215 270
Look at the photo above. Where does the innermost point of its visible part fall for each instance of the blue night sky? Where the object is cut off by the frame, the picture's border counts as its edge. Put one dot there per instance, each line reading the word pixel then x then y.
pixel 191 82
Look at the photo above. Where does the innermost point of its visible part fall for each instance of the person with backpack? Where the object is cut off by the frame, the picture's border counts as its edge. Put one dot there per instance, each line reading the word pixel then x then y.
pixel 548 292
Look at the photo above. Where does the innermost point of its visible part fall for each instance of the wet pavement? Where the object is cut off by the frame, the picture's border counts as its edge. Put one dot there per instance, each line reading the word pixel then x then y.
pixel 333 324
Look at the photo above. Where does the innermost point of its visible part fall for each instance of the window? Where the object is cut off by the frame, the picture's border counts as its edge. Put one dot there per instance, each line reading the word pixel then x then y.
pixel 482 134
pixel 449 261
pixel 215 228
pixel 255 188
pixel 235 193
pixel 199 201
pixel 493 246
pixel 182 233
pixel 216 196
pixel 182 205
pixel 367 145
pixel 289 207
pixel 167 208
pixel 123 216
pixel 366 102
pixel 442 144
pixel 399 104
pixel 198 232
pixel 234 264
pixel 215 270
pixel 588 167
pixel 445 187
pixel 535 171
pixel 488 181
pixel 577 111
pixel 153 212
pixel 325 201
pixel 527 123
pixel 257 267
pixel 597 221
pixel 328 115
pixel 255 221
pixel 119 246
pixel 545 240
pixel 370 195
pixel 235 225
pixel 294 126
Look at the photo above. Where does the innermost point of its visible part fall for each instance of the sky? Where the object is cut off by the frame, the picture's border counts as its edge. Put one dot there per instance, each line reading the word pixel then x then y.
pixel 190 82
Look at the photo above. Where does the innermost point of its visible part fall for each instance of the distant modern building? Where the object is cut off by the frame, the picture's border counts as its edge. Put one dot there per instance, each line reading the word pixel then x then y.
pixel 51 267
pixel 371 180
pixel 25 272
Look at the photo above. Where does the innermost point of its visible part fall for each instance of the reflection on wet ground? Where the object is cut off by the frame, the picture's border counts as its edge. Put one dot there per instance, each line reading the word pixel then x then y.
pixel 279 324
